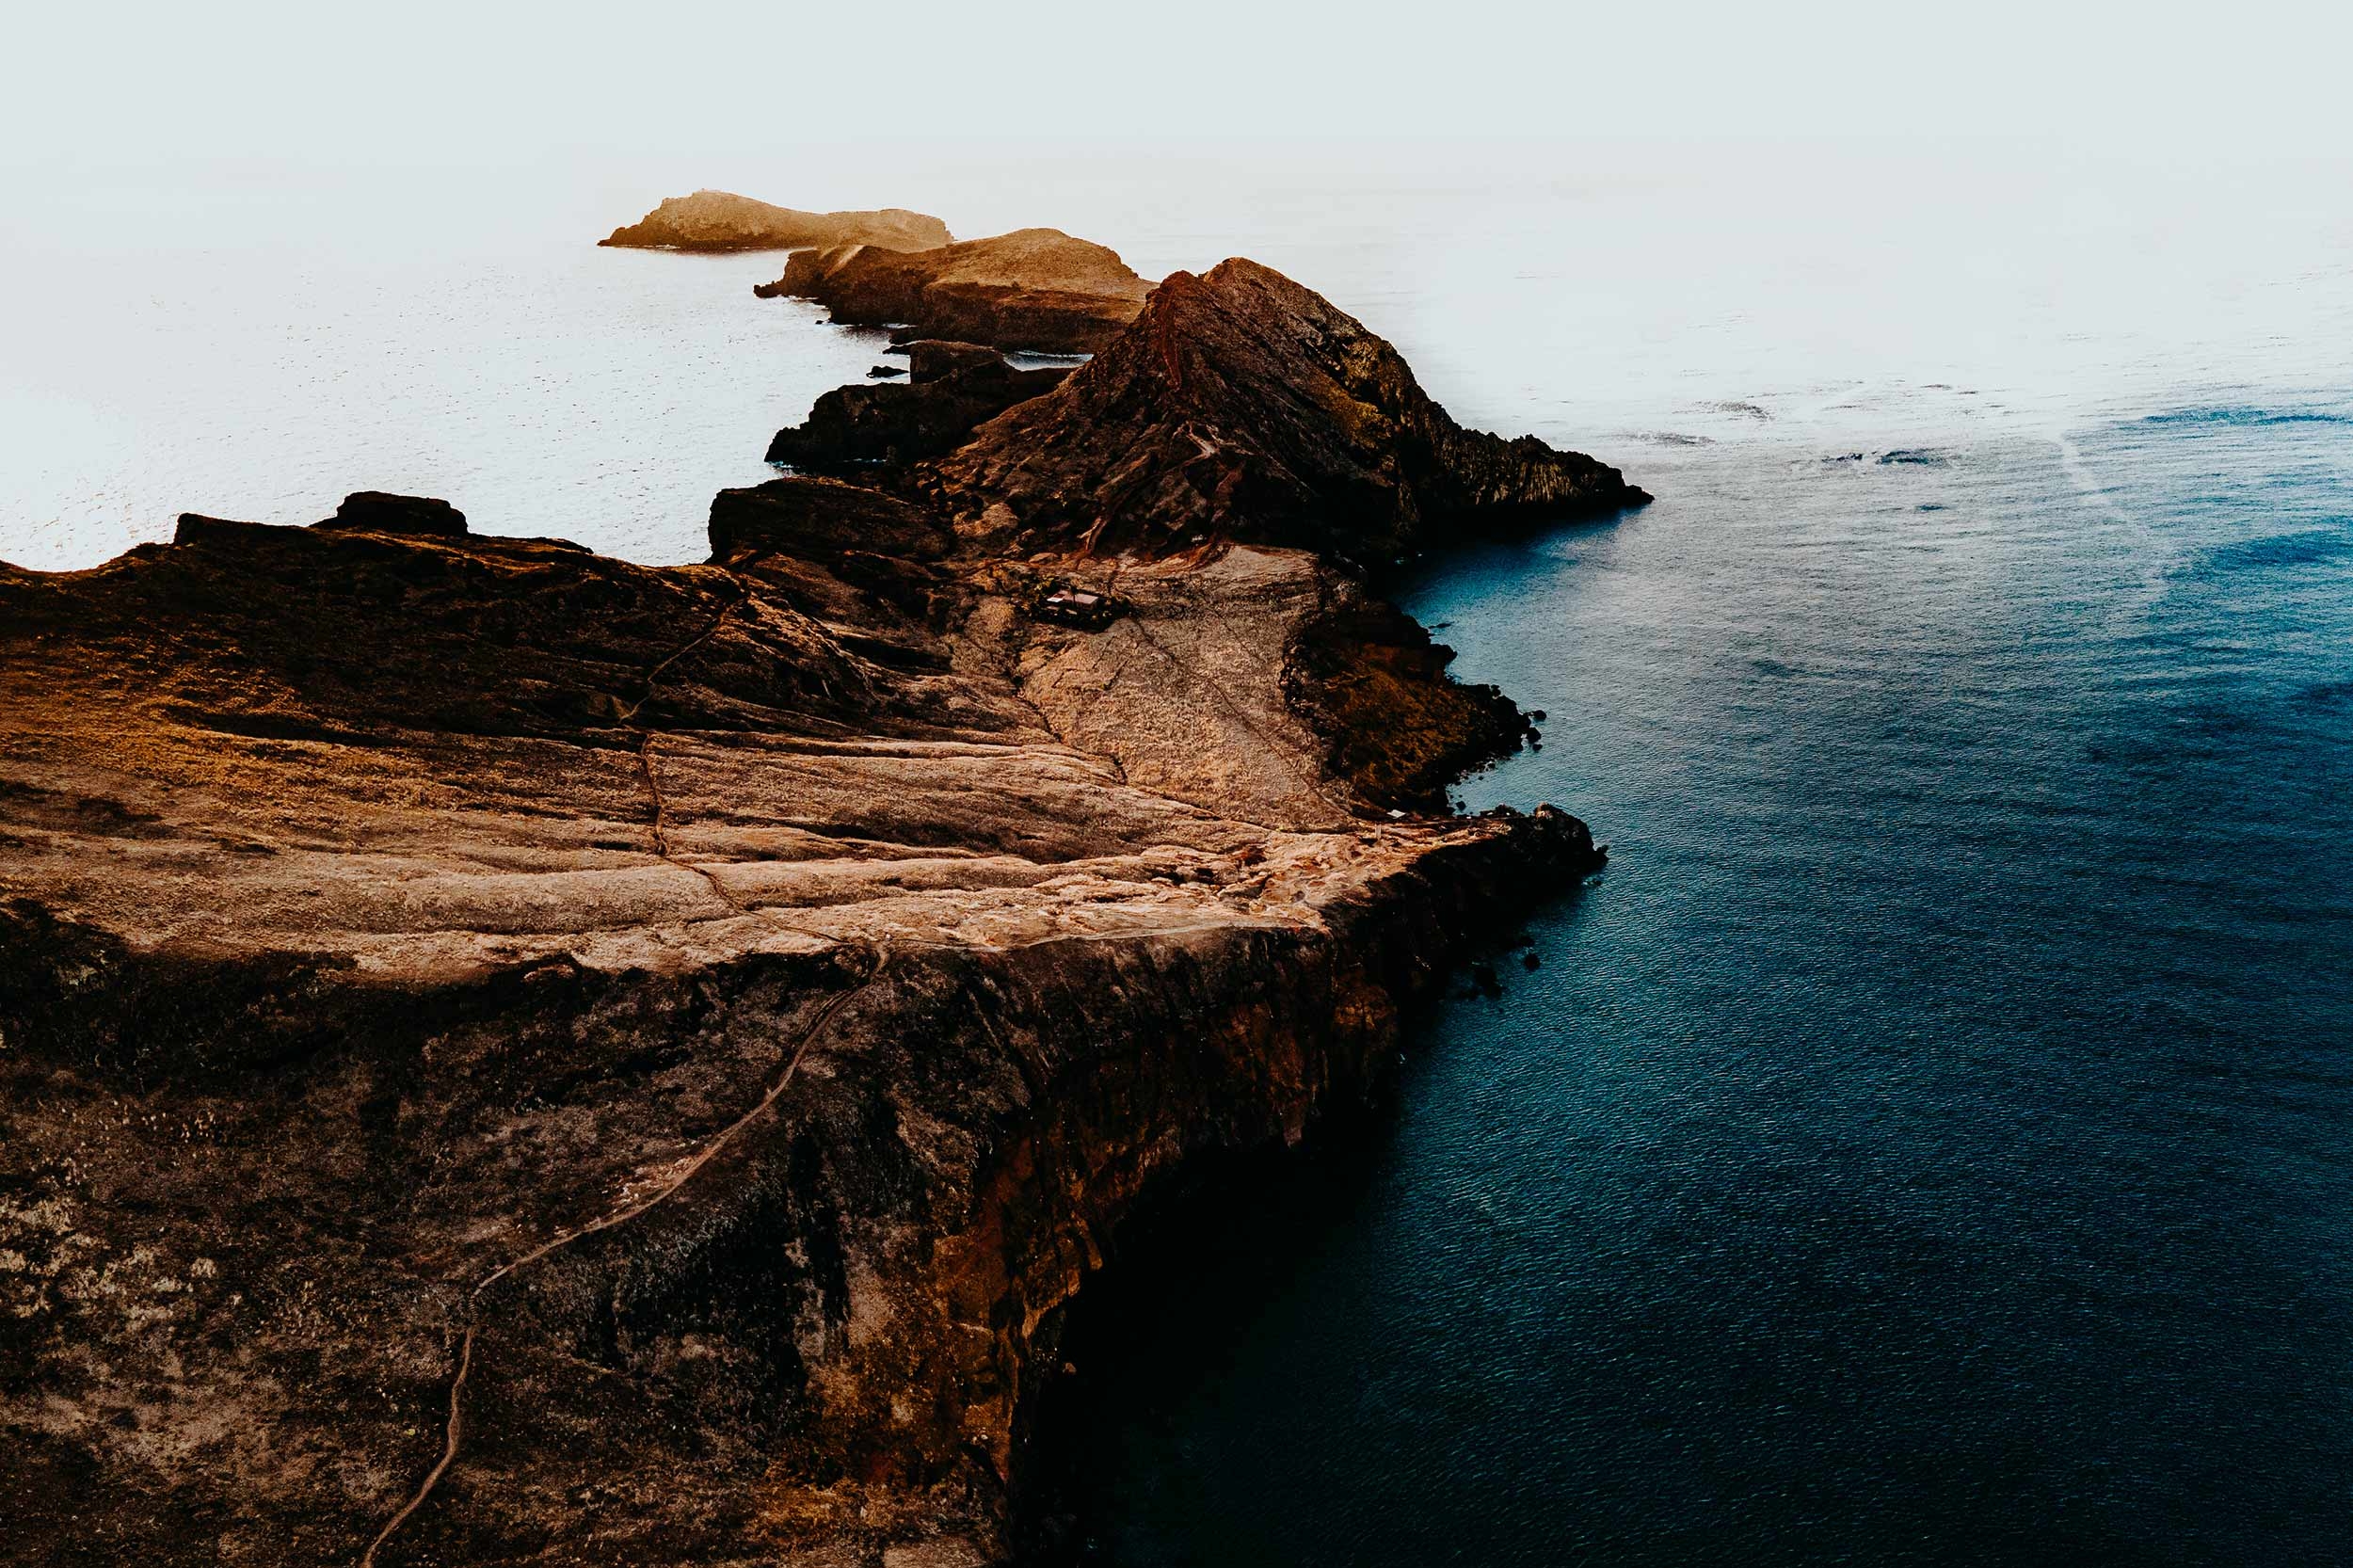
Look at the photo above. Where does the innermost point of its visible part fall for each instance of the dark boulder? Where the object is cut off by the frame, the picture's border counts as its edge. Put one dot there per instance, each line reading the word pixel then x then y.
pixel 862 426
pixel 820 519
pixel 929 359
pixel 374 512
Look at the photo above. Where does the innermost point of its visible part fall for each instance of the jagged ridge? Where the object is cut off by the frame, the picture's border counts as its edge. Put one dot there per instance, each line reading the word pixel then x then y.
pixel 1244 407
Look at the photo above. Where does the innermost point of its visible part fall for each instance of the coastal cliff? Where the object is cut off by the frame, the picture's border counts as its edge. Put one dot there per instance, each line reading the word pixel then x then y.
pixel 721 220
pixel 515 1057
pixel 1035 288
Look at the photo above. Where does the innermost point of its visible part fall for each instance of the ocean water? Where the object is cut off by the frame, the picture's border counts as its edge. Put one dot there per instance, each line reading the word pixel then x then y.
pixel 1932 1141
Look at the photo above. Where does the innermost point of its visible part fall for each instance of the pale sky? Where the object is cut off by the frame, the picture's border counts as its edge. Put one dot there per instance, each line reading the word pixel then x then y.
pixel 430 81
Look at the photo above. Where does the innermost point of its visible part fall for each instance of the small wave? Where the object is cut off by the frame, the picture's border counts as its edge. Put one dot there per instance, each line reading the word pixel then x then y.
pixel 1023 359
pixel 2327 693
pixel 1921 457
pixel 1736 406
pixel 1672 438
pixel 2248 414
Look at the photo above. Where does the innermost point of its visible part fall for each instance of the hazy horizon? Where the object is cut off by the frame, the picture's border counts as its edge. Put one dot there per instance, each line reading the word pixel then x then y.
pixel 157 86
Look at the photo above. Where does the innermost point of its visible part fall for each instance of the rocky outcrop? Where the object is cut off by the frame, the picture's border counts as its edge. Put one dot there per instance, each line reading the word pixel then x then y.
pixel 509 1056
pixel 1033 289
pixel 376 512
pixel 948 396
pixel 929 359
pixel 1244 407
pixel 721 220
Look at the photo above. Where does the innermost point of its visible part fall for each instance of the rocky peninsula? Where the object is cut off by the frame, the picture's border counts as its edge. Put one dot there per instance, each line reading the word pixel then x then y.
pixel 517 1057
pixel 721 220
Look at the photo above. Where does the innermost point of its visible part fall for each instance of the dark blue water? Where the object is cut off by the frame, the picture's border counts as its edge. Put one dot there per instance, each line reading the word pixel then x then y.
pixel 1931 1141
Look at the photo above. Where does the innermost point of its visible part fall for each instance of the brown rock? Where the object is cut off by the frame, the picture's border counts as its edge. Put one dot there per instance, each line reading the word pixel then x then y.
pixel 929 359
pixel 720 220
pixel 373 511
pixel 1241 406
pixel 858 429
pixel 821 519
pixel 1033 289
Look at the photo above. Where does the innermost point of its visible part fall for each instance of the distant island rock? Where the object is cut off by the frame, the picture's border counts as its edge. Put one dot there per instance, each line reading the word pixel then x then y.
pixel 721 220
pixel 1035 289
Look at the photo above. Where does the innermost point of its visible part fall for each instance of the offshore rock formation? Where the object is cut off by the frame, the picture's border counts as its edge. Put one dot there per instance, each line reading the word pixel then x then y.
pixel 508 1056
pixel 1244 407
pixel 721 220
pixel 1033 289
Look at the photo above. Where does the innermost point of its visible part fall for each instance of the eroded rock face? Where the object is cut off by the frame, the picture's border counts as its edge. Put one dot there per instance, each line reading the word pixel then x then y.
pixel 721 220
pixel 1033 289
pixel 1244 407
pixel 698 1025
pixel 947 397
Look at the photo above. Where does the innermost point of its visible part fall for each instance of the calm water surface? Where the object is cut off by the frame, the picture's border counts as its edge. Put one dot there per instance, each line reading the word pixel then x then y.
pixel 1932 1139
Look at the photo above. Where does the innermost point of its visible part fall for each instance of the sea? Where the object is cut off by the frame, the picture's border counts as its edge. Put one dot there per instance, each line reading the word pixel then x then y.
pixel 1929 1142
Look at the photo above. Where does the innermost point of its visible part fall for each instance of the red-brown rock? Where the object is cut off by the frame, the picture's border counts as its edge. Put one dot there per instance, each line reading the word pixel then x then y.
pixel 1241 406
pixel 1035 288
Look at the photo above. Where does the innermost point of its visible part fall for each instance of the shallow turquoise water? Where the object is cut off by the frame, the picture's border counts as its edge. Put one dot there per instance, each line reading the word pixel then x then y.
pixel 1932 1141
